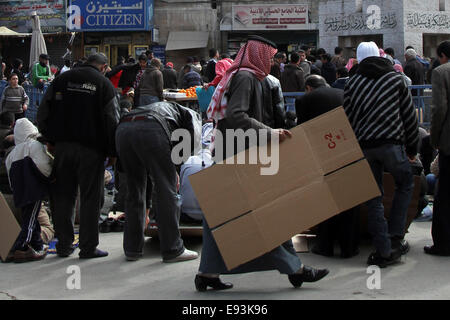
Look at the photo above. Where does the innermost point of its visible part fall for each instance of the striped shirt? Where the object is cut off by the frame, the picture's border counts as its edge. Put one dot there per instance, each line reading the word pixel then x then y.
pixel 13 99
pixel 381 111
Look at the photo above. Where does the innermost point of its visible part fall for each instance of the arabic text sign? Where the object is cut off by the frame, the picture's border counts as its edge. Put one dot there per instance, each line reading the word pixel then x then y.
pixel 428 20
pixel 264 17
pixel 16 15
pixel 110 15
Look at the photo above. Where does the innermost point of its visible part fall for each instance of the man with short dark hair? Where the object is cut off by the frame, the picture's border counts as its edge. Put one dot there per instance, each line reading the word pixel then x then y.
pixel 328 69
pixel 342 78
pixel 210 71
pixel 304 64
pixel 390 52
pixel 440 139
pixel 293 79
pixel 79 114
pixel 275 69
pixel 338 60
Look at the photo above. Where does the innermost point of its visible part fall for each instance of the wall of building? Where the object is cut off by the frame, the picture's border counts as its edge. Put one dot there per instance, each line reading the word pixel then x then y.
pixel 348 22
pixel 183 15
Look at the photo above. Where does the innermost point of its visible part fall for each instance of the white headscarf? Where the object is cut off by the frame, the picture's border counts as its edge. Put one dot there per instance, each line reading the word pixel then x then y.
pixel 367 49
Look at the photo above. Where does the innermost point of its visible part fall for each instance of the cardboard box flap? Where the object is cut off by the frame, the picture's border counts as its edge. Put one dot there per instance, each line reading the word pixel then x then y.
pixel 272 224
pixel 9 228
pixel 220 193
pixel 332 140
pixel 351 184
pixel 247 241
pixel 295 156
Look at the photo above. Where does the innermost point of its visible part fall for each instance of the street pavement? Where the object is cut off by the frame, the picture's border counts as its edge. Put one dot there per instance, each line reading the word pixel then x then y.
pixel 417 276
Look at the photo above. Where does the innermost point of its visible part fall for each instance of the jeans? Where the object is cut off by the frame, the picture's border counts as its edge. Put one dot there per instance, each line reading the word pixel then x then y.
pixel 147 99
pixel 391 158
pixel 440 229
pixel 144 150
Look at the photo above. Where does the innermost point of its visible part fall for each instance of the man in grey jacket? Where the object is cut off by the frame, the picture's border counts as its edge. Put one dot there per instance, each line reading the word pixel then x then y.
pixel 440 139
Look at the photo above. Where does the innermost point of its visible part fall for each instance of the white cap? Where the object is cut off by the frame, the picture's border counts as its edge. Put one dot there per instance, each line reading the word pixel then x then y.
pixel 367 49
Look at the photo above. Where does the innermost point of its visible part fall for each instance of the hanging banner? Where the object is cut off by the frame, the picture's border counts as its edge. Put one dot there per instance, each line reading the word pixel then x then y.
pixel 110 15
pixel 16 15
pixel 270 16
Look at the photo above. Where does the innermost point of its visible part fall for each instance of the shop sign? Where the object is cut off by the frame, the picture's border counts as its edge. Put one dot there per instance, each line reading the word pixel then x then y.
pixel 16 15
pixel 110 15
pixel 269 17
pixel 160 53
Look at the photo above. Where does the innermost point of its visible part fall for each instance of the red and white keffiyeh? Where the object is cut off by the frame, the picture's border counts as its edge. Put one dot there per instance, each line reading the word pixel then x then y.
pixel 253 57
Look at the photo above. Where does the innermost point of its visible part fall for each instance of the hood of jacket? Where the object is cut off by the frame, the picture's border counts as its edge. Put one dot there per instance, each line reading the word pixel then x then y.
pixel 150 69
pixel 375 67
pixel 23 130
pixel 291 67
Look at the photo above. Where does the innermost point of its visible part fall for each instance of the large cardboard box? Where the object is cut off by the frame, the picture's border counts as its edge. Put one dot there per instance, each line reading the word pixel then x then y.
pixel 321 173
pixel 9 228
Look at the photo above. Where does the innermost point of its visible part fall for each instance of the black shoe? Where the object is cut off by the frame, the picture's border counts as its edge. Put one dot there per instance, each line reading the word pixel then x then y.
pixel 64 253
pixel 202 283
pixel 308 275
pixel 376 259
pixel 401 245
pixel 435 251
pixel 90 255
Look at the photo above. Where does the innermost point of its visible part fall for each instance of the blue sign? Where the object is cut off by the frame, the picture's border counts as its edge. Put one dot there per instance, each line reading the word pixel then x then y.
pixel 110 15
pixel 160 53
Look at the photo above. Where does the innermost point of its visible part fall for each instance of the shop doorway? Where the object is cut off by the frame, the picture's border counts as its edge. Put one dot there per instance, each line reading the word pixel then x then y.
pixel 119 51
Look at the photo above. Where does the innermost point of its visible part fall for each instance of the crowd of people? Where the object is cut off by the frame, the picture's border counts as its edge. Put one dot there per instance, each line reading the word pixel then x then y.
pixel 93 117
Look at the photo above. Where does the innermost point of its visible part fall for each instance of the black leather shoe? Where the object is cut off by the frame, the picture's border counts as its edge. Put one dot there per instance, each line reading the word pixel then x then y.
pixel 401 245
pixel 308 275
pixel 435 251
pixel 202 283
pixel 376 259
pixel 90 255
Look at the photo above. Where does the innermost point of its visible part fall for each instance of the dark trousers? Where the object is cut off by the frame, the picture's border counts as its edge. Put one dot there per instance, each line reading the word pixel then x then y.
pixel 344 228
pixel 144 150
pixel 440 229
pixel 76 165
pixel 31 230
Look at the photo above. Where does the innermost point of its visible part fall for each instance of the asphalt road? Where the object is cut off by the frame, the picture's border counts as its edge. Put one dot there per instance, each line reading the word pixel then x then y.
pixel 417 276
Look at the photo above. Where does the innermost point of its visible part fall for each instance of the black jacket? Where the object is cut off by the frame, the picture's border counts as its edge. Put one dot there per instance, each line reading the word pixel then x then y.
pixel 210 71
pixel 317 102
pixel 80 106
pixel 170 78
pixel 329 72
pixel 293 79
pixel 128 76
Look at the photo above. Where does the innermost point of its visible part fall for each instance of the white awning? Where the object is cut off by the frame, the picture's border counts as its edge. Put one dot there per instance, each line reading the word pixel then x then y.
pixel 4 31
pixel 179 40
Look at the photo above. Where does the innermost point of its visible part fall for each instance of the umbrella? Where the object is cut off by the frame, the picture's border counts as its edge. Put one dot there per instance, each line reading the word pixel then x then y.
pixel 37 39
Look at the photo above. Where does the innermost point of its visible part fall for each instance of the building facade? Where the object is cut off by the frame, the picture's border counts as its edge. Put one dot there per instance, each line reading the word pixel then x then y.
pixel 394 23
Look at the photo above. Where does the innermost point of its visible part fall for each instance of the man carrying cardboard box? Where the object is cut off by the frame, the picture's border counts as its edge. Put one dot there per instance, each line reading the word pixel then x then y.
pixel 380 109
pixel 237 104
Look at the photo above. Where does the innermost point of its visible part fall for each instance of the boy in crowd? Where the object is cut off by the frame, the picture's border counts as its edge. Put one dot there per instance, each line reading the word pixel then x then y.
pixel 14 98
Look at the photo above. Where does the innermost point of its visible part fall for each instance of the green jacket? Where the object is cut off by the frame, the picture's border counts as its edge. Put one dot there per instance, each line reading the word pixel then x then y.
pixel 40 72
